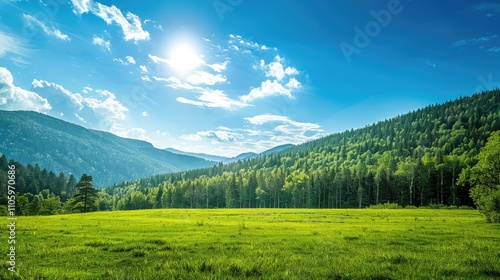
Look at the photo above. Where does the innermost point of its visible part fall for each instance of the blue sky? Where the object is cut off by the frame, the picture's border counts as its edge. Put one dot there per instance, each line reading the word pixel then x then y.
pixel 231 76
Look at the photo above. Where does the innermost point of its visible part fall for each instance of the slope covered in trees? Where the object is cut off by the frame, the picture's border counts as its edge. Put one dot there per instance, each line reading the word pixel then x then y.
pixel 412 159
pixel 38 191
pixel 35 138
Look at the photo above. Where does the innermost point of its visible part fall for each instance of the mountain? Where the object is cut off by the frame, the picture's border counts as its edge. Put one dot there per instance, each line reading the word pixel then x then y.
pixel 276 149
pixel 415 159
pixel 35 138
pixel 199 155
pixel 226 160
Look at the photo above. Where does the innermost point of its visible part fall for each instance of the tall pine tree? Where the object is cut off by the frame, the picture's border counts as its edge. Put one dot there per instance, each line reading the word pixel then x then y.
pixel 87 194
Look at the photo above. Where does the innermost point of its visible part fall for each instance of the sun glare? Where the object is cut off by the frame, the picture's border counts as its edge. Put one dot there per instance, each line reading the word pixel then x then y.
pixel 183 57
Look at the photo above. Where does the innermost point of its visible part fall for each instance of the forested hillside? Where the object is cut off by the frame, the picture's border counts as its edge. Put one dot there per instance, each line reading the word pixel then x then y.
pixel 34 138
pixel 413 159
pixel 38 191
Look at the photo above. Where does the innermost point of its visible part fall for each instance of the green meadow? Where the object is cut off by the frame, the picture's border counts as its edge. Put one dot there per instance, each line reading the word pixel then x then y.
pixel 257 244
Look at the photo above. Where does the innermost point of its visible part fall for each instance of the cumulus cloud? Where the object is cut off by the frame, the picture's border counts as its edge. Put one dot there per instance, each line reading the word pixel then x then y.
pixel 278 86
pixel 109 108
pixel 92 110
pixel 143 68
pixel 130 23
pixel 276 69
pixel 16 98
pixel 81 6
pixel 64 102
pixel 128 60
pixel 133 133
pixel 33 22
pixel 104 44
pixel 218 67
pixel 271 88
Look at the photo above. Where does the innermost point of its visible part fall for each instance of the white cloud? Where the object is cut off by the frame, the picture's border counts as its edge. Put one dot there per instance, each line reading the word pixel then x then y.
pixel 81 6
pixel 133 133
pixel 33 22
pixel 10 44
pixel 291 71
pixel 176 83
pixel 266 89
pixel 210 86
pixel 238 39
pixel 63 101
pixel 288 126
pixel 202 77
pixel 207 98
pixel 98 111
pixel 145 78
pixel 213 99
pixel 214 135
pixel 276 69
pixel 102 43
pixel 285 130
pixel 143 68
pixel 162 133
pixel 109 108
pixel 262 119
pixel 130 24
pixel 181 59
pixel 218 67
pixel 145 114
pixel 130 59
pixel 293 83
pixel 87 90
pixel 157 59
pixel 16 98
pixel 265 132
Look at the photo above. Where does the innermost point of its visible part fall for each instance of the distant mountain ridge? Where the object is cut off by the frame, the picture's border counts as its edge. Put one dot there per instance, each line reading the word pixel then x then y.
pixel 60 146
pixel 225 160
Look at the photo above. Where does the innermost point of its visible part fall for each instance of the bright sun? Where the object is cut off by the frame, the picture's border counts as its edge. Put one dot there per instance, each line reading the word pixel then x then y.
pixel 184 58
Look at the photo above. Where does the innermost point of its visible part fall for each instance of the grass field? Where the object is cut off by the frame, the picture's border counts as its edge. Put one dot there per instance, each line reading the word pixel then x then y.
pixel 257 244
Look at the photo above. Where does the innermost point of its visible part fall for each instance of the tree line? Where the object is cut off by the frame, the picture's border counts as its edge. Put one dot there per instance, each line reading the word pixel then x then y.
pixel 42 192
pixel 425 157
pixel 414 159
